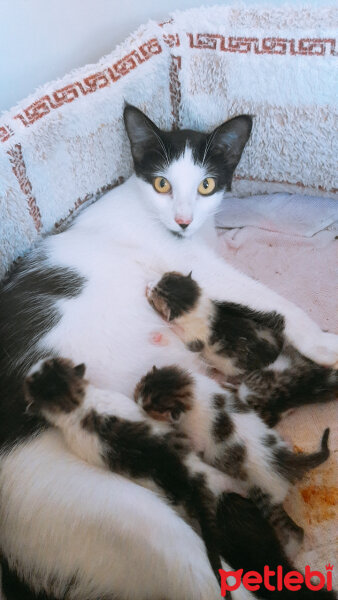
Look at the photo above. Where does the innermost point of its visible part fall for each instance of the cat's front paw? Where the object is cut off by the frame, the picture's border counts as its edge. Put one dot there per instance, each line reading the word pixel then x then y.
pixel 165 393
pixel 325 350
pixel 54 384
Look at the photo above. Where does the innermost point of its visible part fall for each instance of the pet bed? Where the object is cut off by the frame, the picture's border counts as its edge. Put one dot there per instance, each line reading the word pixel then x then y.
pixel 65 145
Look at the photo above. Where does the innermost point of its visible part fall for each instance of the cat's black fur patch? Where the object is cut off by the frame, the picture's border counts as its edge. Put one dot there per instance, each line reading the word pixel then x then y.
pixel 233 461
pixel 166 390
pixel 195 346
pixel 270 440
pixel 250 543
pixel 223 426
pixel 27 311
pixel 175 295
pixel 252 339
pixel 219 401
pixel 16 588
pixel 220 151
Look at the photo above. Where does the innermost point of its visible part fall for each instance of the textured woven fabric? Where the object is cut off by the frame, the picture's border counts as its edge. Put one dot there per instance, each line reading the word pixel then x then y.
pixel 64 145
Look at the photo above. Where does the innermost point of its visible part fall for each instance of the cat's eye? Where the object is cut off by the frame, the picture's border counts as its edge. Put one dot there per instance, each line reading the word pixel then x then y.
pixel 207 186
pixel 162 185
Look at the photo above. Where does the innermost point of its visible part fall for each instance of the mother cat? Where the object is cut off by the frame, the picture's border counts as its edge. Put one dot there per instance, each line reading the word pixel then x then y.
pixel 66 527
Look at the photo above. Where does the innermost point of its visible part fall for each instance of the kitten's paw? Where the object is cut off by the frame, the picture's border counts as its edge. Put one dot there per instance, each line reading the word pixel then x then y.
pixel 179 442
pixel 55 384
pixel 165 393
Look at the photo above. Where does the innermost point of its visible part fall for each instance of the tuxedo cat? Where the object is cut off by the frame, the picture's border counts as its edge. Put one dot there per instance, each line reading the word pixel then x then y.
pixel 81 294
pixel 247 345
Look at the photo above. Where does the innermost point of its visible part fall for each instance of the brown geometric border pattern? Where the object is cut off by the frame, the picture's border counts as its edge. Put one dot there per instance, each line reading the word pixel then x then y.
pixel 19 170
pixel 266 45
pixel 175 89
pixel 201 41
pixel 88 85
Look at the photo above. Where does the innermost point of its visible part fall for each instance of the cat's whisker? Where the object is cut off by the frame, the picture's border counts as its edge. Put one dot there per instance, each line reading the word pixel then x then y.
pixel 207 146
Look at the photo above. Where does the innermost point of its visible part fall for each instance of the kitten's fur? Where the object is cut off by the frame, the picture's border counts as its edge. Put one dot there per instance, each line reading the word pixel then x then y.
pixel 247 345
pixel 106 428
pixel 229 435
pixel 250 345
pixel 72 296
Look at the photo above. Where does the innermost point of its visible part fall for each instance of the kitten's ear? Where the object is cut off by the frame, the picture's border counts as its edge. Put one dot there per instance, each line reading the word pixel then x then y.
pixel 189 276
pixel 79 370
pixel 230 139
pixel 142 132
pixel 167 313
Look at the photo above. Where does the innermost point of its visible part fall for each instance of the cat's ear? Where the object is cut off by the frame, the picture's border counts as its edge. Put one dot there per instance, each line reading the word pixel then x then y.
pixel 142 132
pixel 79 370
pixel 230 138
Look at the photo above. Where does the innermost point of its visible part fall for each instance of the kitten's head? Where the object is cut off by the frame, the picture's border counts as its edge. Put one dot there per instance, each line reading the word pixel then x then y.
pixel 185 173
pixel 174 295
pixel 56 385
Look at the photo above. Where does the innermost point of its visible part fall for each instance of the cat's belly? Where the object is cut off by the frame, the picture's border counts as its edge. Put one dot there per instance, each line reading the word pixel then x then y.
pixel 112 328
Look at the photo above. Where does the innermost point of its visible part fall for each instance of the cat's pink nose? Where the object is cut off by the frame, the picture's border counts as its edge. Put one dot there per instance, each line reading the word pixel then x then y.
pixel 183 222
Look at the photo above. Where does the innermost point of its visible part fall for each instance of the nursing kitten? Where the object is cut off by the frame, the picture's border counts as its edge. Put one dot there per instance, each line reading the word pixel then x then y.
pixel 232 437
pixel 108 429
pixel 246 346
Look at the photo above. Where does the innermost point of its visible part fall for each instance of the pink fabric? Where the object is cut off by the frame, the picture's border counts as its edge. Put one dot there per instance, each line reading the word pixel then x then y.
pixel 303 269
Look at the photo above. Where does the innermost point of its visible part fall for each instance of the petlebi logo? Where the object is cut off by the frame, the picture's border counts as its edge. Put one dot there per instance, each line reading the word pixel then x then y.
pixel 292 580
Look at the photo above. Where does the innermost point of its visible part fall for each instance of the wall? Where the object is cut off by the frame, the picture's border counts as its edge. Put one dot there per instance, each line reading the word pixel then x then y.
pixel 43 39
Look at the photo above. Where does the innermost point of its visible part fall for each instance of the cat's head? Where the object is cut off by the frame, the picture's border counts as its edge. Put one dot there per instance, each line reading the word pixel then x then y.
pixel 185 173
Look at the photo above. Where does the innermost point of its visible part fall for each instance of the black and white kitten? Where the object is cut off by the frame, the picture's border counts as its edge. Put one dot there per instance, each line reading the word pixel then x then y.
pixel 246 346
pixel 232 437
pixel 108 429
